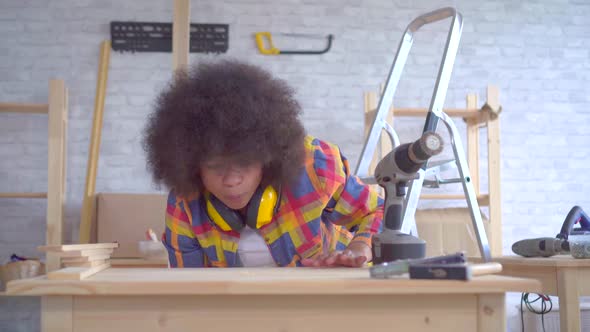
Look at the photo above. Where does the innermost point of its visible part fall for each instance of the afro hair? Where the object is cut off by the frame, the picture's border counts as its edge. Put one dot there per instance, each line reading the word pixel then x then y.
pixel 229 109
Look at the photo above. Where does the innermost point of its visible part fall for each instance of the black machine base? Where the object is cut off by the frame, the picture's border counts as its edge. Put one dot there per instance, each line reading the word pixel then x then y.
pixel 390 247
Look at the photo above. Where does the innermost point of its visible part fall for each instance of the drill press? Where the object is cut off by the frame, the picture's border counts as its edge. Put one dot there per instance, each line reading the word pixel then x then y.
pixel 393 173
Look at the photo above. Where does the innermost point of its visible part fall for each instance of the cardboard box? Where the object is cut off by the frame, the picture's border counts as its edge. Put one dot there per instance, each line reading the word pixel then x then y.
pixel 124 218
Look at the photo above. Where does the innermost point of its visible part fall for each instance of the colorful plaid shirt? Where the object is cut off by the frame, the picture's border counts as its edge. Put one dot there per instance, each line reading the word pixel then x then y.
pixel 325 210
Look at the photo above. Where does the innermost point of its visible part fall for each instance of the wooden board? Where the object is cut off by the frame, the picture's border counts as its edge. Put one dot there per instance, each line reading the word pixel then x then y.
pixel 181 34
pixel 56 167
pixel 263 281
pixel 84 259
pixel 23 108
pixel 554 261
pixel 138 262
pixel 85 264
pixel 77 247
pixel 76 273
pixel 86 253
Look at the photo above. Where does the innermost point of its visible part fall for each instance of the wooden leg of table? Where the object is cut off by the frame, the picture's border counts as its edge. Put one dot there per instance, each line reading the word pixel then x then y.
pixel 56 314
pixel 569 300
pixel 491 312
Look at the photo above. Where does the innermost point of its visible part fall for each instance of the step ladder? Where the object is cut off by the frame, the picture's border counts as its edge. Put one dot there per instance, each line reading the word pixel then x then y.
pixel 435 113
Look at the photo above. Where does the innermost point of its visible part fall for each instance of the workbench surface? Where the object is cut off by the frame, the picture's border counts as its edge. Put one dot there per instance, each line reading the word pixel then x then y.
pixel 261 281
pixel 558 260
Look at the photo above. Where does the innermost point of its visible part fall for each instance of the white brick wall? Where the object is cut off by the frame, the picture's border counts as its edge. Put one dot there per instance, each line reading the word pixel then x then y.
pixel 537 52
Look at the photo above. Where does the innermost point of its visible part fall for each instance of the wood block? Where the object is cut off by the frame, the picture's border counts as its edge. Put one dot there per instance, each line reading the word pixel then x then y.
pixel 84 259
pixel 75 247
pixel 86 253
pixel 85 264
pixel 76 273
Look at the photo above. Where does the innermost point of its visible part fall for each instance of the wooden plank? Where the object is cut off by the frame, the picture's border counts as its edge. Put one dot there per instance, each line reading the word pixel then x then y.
pixel 57 314
pixel 24 108
pixel 473 144
pixel 471 113
pixel 181 34
pixel 494 176
pixel 77 247
pixel 85 253
pixel 485 268
pixel 138 262
pixel 23 195
pixel 56 165
pixel 83 259
pixel 262 281
pixel 76 273
pixel 93 263
pixel 94 149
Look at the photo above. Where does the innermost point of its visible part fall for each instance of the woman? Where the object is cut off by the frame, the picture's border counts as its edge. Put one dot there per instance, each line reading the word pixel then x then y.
pixel 247 186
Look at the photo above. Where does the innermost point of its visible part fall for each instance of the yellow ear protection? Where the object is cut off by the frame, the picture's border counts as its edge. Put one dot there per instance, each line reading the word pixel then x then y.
pixel 259 211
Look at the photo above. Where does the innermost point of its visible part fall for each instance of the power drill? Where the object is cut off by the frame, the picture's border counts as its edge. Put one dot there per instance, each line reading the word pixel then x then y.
pixel 393 173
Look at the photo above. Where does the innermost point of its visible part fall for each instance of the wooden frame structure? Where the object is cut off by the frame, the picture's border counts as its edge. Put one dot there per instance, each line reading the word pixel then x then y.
pixel 57 112
pixel 475 118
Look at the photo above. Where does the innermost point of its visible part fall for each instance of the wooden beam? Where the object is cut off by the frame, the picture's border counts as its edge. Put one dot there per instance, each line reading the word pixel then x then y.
pixel 94 149
pixel 181 34
pixel 494 173
pixel 473 143
pixel 24 108
pixel 56 173
pixel 76 273
pixel 23 195
pixel 84 259
pixel 76 247
pixel 455 112
pixel 86 253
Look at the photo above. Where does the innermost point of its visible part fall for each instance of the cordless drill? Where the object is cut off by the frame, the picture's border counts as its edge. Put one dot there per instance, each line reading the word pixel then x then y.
pixel 393 173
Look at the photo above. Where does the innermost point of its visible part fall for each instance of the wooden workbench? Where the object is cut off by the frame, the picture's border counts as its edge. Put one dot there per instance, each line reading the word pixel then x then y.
pixel 562 276
pixel 270 299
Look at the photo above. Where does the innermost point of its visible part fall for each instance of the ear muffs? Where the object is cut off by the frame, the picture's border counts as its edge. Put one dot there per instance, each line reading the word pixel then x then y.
pixel 259 212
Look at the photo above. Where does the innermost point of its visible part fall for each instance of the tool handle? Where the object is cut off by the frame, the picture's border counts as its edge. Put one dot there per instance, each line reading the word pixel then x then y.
pixel 431 17
pixel 575 215
pixel 260 36
pixel 485 268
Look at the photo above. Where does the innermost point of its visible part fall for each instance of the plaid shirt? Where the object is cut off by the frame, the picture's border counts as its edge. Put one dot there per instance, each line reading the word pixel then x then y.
pixel 323 211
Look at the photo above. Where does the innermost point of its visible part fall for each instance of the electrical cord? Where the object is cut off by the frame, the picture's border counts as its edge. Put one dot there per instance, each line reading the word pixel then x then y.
pixel 546 306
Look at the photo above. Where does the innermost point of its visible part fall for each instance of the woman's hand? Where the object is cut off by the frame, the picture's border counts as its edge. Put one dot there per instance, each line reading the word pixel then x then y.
pixel 355 255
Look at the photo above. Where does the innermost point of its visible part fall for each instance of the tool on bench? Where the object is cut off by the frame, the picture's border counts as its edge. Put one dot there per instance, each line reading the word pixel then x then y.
pixel 435 113
pixel 393 173
pixel 449 267
pixel 562 243
pixel 272 50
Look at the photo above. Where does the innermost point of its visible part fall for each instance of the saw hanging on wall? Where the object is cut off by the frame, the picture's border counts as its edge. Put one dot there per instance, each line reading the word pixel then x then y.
pixel 263 38
pixel 157 37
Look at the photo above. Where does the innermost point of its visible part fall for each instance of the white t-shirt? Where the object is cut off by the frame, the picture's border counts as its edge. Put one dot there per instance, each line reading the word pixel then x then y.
pixel 252 249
